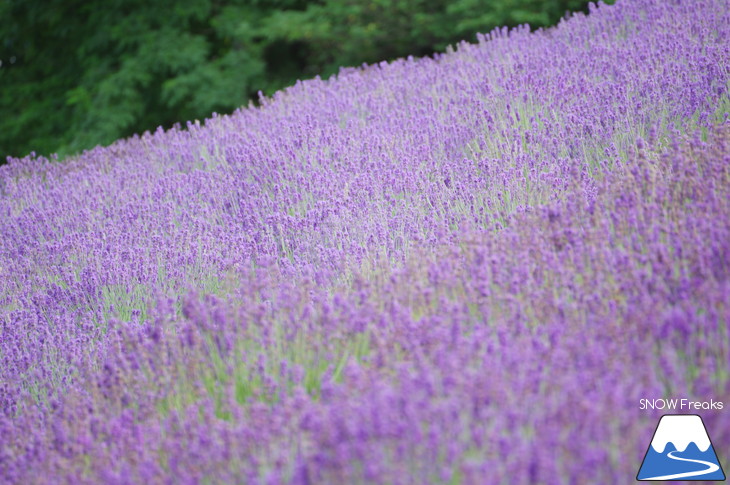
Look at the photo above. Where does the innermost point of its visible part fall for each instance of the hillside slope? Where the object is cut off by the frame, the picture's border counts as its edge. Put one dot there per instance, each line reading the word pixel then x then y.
pixel 465 269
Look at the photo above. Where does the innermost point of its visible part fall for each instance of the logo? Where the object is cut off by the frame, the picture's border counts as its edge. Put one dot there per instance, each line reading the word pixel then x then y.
pixel 680 450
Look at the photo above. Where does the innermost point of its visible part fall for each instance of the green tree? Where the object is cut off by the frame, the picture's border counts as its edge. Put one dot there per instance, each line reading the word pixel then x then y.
pixel 79 73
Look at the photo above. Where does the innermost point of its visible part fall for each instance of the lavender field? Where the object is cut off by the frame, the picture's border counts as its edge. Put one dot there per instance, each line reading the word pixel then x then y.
pixel 466 269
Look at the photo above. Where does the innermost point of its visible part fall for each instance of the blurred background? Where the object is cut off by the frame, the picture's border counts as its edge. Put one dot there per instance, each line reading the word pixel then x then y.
pixel 78 73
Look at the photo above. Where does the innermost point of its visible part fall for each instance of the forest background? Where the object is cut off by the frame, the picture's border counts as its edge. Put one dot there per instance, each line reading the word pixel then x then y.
pixel 79 73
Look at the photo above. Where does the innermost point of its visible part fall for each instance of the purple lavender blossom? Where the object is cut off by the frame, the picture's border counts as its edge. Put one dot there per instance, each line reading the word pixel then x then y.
pixel 465 269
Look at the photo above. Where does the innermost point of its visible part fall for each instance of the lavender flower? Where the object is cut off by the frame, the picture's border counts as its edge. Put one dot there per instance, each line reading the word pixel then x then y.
pixel 463 269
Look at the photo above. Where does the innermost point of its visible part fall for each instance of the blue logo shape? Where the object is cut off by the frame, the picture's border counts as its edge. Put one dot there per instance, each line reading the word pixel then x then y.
pixel 681 450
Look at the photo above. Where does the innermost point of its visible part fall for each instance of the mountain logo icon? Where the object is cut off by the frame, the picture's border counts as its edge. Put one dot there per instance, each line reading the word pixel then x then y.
pixel 681 450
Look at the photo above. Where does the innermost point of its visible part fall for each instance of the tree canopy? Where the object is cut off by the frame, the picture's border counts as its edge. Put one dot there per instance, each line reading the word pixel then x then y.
pixel 75 74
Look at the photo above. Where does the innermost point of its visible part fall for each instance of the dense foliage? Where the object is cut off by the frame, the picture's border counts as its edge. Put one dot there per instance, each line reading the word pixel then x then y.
pixel 75 74
pixel 466 269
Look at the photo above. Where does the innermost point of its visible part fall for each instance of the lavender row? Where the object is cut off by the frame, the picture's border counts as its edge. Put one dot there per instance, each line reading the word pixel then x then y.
pixel 486 359
pixel 395 276
pixel 332 176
